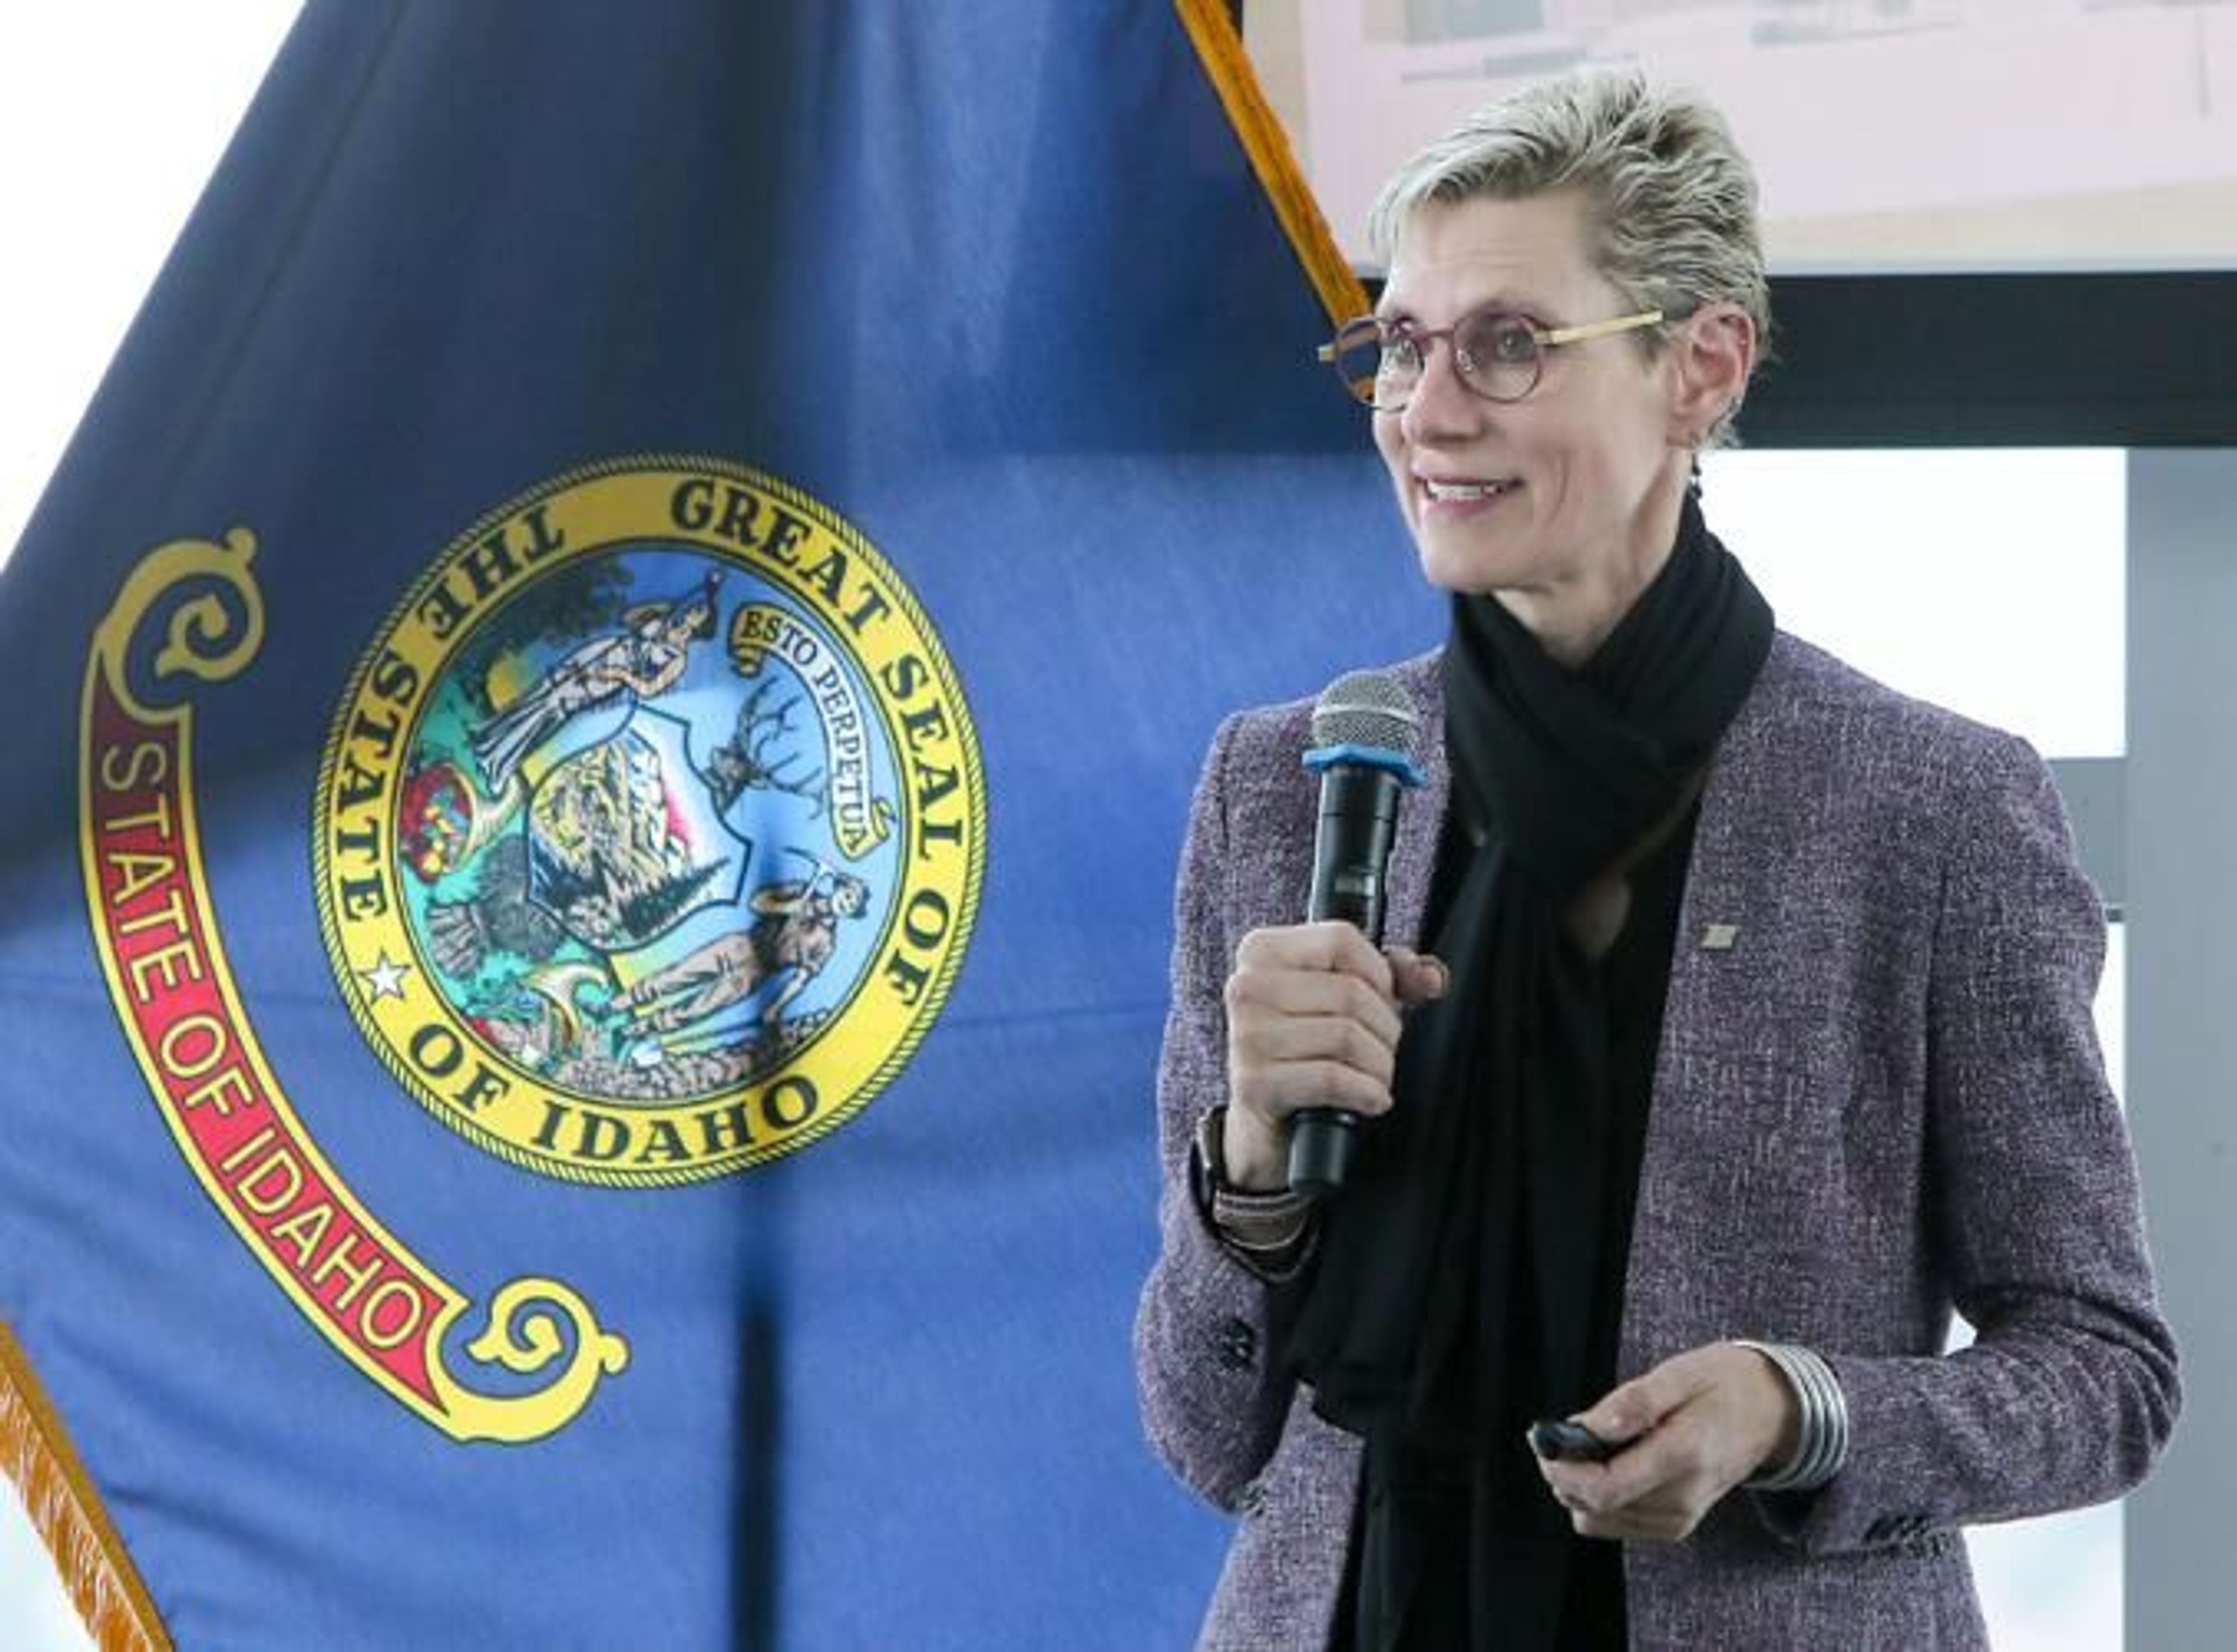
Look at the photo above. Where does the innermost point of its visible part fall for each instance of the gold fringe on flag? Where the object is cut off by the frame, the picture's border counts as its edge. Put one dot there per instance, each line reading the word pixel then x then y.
pixel 36 1453
pixel 1220 50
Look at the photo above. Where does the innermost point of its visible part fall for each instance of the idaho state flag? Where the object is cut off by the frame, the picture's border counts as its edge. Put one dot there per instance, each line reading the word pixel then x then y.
pixel 599 717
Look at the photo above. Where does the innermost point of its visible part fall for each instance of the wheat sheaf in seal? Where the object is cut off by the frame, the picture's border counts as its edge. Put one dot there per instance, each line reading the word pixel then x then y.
pixel 651 829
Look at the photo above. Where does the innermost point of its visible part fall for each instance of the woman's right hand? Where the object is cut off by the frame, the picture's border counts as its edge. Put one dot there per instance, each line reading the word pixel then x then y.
pixel 1312 1021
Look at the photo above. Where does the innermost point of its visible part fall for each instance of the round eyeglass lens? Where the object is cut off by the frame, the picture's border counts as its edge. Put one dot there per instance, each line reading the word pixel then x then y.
pixel 1497 354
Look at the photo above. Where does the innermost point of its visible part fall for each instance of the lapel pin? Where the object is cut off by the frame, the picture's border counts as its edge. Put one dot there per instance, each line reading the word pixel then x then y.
pixel 1718 937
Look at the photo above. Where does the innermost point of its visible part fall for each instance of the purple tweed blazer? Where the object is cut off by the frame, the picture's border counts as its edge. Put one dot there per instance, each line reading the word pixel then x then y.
pixel 1883 1100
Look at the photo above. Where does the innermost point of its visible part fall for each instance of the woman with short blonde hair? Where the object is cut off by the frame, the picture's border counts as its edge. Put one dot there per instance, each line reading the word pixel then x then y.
pixel 1740 1031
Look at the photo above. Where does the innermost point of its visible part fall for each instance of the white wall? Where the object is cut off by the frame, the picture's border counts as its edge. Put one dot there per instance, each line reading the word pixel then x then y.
pixel 112 115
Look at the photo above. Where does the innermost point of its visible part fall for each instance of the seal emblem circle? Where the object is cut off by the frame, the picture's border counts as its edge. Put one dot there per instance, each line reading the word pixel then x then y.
pixel 651 828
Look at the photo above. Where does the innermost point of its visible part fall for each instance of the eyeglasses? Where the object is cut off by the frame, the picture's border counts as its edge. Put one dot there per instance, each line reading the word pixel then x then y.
pixel 1496 353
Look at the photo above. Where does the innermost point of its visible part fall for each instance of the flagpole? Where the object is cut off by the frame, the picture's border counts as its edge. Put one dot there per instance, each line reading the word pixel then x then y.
pixel 1219 48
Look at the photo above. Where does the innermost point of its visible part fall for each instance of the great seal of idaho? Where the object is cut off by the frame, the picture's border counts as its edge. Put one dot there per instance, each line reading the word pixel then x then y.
pixel 651 826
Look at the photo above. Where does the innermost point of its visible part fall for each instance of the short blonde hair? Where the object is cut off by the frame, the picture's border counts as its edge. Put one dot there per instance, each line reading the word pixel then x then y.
pixel 1671 202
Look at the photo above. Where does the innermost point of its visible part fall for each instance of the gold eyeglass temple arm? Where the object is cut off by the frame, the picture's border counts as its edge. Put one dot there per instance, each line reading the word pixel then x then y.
pixel 1599 329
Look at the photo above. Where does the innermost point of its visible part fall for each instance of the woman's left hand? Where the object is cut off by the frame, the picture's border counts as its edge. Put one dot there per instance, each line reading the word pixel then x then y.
pixel 1696 1426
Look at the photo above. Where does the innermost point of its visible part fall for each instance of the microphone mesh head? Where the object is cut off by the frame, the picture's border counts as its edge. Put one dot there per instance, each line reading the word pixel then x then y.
pixel 1366 709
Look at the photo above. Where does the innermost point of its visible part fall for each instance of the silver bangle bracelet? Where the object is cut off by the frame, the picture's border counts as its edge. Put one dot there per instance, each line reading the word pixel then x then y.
pixel 1822 1442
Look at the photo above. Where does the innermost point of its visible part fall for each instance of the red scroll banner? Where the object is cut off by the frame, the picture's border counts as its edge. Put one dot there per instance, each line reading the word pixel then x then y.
pixel 191 610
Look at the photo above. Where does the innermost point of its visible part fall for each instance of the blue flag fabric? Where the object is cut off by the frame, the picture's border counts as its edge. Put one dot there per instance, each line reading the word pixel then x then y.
pixel 603 704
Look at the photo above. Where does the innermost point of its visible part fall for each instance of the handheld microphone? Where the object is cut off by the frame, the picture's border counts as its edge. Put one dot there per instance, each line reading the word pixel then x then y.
pixel 1364 735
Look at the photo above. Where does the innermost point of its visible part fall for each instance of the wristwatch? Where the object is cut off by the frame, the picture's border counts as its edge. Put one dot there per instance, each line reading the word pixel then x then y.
pixel 1208 1161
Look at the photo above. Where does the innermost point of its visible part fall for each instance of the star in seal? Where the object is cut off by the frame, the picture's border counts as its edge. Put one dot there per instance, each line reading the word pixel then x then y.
pixel 386 978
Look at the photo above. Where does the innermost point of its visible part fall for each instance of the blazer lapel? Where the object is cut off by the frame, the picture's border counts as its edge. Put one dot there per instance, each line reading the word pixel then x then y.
pixel 1718 877
pixel 1726 922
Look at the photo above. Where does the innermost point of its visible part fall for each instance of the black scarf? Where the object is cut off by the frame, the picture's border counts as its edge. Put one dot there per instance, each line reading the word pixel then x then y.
pixel 1451 1297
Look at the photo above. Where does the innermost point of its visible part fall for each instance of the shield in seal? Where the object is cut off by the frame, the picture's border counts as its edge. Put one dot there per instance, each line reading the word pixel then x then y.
pixel 625 842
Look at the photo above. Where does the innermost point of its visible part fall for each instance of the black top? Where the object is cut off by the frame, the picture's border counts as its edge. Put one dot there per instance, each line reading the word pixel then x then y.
pixel 1406 1576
